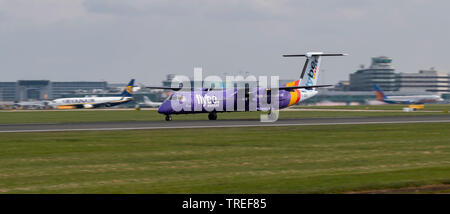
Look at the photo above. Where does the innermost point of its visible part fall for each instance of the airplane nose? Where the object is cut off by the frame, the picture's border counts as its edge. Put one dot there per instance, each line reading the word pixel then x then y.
pixel 165 108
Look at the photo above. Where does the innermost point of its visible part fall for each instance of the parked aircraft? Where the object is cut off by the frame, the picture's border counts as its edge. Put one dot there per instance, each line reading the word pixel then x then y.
pixel 213 101
pixel 95 102
pixel 38 104
pixel 414 99
pixel 150 103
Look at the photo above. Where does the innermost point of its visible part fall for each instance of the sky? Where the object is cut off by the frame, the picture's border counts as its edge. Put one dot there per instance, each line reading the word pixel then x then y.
pixel 116 40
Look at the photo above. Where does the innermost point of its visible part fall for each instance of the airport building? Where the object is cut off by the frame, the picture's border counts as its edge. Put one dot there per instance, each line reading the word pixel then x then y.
pixel 7 91
pixel 23 90
pixel 424 81
pixel 61 89
pixel 382 73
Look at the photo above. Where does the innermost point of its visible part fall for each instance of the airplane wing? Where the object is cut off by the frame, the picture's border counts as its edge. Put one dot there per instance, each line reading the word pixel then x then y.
pixel 297 87
pixel 179 88
pixel 165 88
pixel 280 88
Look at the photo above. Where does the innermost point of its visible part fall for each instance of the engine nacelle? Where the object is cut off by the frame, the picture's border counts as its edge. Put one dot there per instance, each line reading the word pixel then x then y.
pixel 88 106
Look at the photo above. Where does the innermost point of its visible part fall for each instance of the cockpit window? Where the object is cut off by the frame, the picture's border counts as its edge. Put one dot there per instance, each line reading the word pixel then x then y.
pixel 168 97
pixel 179 98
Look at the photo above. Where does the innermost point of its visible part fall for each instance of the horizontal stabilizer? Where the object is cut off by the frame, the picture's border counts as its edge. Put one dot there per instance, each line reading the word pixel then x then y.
pixel 314 54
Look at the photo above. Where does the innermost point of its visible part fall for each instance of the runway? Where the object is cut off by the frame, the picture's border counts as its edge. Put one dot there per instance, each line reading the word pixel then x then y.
pixel 154 109
pixel 110 126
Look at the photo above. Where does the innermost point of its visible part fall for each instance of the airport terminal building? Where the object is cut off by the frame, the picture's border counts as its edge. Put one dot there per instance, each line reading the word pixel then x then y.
pixel 424 81
pixel 359 89
pixel 23 90
pixel 382 73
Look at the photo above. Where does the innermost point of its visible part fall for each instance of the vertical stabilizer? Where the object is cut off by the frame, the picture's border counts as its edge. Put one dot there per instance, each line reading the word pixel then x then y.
pixel 311 68
pixel 379 93
pixel 128 91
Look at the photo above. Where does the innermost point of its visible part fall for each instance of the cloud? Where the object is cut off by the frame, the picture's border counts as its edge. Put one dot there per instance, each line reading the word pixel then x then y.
pixel 100 39
pixel 220 9
pixel 351 13
pixel 117 7
pixel 33 14
pixel 41 11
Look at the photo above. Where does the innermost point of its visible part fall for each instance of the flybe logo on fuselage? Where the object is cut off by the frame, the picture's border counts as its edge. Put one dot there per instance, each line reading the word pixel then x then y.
pixel 207 101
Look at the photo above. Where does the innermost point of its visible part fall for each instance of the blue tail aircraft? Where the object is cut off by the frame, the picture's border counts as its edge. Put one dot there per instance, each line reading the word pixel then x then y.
pixel 414 99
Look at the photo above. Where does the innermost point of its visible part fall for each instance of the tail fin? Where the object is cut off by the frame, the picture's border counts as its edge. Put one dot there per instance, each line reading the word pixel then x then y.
pixel 379 93
pixel 128 91
pixel 311 68
pixel 147 100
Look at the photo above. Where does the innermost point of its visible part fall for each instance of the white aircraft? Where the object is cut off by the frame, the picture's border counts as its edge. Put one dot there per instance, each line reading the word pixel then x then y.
pixel 415 99
pixel 95 102
pixel 32 104
pixel 148 102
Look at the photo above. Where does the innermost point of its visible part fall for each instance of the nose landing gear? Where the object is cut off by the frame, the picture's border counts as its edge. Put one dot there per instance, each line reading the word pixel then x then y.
pixel 168 117
pixel 212 116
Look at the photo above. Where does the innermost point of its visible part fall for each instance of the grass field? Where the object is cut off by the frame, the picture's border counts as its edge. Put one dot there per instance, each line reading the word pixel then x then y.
pixel 316 159
pixel 18 117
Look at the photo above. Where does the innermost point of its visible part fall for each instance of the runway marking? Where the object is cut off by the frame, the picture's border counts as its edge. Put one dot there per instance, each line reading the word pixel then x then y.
pixel 223 126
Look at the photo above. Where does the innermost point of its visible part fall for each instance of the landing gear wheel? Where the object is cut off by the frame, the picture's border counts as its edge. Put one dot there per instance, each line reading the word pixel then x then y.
pixel 168 118
pixel 212 116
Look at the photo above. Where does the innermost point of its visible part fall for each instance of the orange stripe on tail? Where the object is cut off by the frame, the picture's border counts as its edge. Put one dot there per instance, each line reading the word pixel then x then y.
pixel 295 97
pixel 380 96
pixel 295 94
pixel 295 83
pixel 299 95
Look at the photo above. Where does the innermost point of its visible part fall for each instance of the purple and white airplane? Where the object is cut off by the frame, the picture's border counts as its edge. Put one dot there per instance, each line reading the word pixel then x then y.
pixel 213 101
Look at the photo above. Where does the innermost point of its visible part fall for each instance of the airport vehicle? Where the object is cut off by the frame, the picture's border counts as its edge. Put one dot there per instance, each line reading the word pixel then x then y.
pixel 150 103
pixel 414 99
pixel 213 101
pixel 95 102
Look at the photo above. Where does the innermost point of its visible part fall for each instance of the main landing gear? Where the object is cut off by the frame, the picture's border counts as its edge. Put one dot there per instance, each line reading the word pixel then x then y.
pixel 212 116
pixel 168 117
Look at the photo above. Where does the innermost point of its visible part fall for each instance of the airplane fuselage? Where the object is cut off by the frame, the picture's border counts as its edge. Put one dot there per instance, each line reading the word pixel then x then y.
pixel 230 100
pixel 89 102
pixel 419 99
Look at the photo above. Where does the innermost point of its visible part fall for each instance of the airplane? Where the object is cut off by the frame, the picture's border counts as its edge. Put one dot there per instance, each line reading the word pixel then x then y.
pixel 203 99
pixel 414 99
pixel 148 102
pixel 95 102
pixel 32 104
